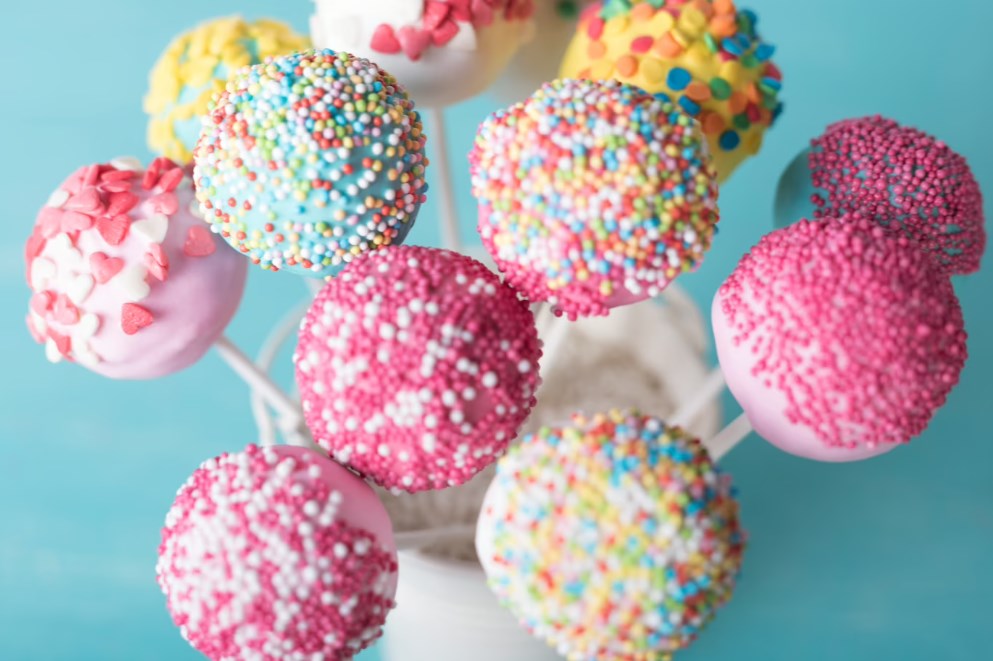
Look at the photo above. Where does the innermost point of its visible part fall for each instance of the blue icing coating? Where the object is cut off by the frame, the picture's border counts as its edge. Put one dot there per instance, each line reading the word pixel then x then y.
pixel 310 160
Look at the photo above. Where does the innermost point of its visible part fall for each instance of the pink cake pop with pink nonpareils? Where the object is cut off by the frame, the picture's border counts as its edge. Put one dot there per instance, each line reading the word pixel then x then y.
pixel 904 179
pixel 126 280
pixel 277 553
pixel 417 367
pixel 839 339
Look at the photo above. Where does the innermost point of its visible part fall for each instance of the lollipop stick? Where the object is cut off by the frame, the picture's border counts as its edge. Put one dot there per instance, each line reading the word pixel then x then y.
pixel 267 355
pixel 711 387
pixel 289 411
pixel 438 145
pixel 418 539
pixel 726 439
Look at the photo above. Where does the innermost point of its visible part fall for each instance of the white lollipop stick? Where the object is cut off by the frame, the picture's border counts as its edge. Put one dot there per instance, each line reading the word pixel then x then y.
pixel 289 412
pixel 553 333
pixel 418 539
pixel 267 355
pixel 729 437
pixel 711 387
pixel 438 146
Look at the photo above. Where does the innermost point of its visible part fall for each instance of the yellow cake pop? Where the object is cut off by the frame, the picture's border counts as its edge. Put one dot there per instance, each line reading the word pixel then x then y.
pixel 196 65
pixel 704 55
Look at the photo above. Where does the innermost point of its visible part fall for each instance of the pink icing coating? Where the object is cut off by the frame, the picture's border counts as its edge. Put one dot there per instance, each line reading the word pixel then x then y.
pixel 417 367
pixel 839 339
pixel 277 553
pixel 903 178
pixel 125 279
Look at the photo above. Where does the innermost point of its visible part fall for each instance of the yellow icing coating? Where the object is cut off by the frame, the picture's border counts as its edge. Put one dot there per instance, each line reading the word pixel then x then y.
pixel 641 44
pixel 195 66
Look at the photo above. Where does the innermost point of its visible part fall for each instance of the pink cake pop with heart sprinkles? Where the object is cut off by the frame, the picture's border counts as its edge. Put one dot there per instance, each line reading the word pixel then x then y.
pixel 277 553
pixel 593 194
pixel 126 280
pixel 905 179
pixel 417 367
pixel 614 537
pixel 839 339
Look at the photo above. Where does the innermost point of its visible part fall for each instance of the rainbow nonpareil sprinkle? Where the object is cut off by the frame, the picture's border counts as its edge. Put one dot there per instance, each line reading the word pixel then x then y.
pixel 593 194
pixel 613 538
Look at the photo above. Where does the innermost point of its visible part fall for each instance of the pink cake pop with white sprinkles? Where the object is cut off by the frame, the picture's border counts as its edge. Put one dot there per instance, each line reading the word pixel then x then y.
pixel 126 279
pixel 839 339
pixel 417 367
pixel 593 194
pixel 905 179
pixel 277 553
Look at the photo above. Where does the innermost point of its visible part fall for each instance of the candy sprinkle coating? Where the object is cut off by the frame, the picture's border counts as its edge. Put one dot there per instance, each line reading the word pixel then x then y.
pixel 417 367
pixel 195 66
pixel 906 180
pixel 277 553
pixel 309 160
pixel 839 338
pixel 613 538
pixel 593 194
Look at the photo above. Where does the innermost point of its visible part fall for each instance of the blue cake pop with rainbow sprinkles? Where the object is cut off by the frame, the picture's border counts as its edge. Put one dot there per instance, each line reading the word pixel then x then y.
pixel 308 160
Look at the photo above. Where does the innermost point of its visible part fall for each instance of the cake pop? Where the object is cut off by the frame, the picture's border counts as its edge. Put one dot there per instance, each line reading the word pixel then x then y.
pixel 901 177
pixel 309 160
pixel 277 553
pixel 195 67
pixel 126 280
pixel 704 55
pixel 614 537
pixel 537 61
pixel 417 367
pixel 442 51
pixel 839 339
pixel 593 194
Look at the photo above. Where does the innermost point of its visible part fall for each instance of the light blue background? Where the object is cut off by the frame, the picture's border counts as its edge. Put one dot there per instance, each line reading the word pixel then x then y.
pixel 889 558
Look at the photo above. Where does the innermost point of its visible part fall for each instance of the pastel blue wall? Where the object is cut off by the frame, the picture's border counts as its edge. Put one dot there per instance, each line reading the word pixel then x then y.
pixel 883 559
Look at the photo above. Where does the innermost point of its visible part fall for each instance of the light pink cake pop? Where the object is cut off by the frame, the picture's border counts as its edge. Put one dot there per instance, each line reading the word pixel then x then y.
pixel 839 339
pixel 126 280
pixel 277 553
pixel 417 367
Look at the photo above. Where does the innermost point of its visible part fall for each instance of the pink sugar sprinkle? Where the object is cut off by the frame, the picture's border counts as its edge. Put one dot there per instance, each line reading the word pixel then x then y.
pixel 269 554
pixel 903 178
pixel 417 367
pixel 853 324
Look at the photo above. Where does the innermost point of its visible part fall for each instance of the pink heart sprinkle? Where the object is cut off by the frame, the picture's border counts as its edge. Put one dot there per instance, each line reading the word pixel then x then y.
pixel 87 201
pixel 75 221
pixel 42 302
pixel 199 242
pixel 62 342
pixel 121 203
pixel 413 41
pixel 156 261
pixel 384 40
pixel 113 230
pixel 104 268
pixel 134 318
pixel 170 180
pixel 435 14
pixel 64 312
pixel 165 203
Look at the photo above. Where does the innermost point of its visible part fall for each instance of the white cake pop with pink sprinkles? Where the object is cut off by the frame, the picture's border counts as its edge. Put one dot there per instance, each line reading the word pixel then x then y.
pixel 839 339
pixel 417 367
pixel 277 553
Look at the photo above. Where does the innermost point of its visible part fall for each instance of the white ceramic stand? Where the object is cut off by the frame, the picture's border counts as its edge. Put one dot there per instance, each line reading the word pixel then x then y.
pixel 445 611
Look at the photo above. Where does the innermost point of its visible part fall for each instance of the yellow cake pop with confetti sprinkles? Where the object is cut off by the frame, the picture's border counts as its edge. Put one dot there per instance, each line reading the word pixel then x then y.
pixel 704 55
pixel 196 65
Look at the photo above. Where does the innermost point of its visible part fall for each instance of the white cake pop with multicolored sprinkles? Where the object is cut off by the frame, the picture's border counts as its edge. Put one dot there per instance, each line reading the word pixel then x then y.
pixel 615 537
pixel 277 553
pixel 309 160
pixel 417 367
pixel 593 195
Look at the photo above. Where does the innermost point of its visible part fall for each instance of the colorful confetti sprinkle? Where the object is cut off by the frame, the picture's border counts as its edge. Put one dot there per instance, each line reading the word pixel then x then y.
pixel 593 194
pixel 309 160
pixel 613 538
